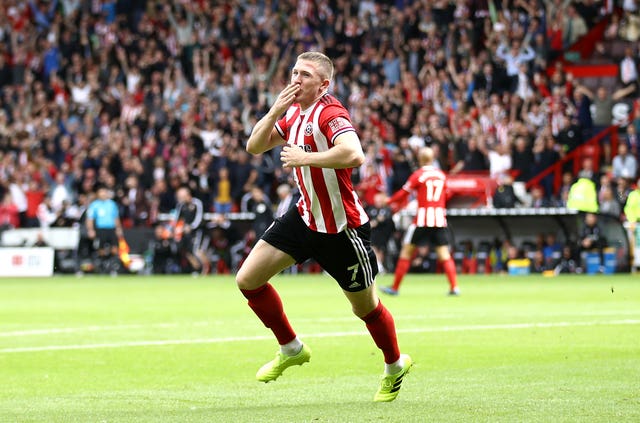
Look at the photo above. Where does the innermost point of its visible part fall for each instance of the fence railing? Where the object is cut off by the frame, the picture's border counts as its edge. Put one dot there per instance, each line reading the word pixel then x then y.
pixel 590 149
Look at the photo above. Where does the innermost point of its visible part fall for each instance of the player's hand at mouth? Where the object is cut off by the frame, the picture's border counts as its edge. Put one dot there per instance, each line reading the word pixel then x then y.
pixel 286 98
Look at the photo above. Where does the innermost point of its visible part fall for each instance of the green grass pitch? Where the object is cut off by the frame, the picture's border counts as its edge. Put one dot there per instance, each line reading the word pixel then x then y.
pixel 183 349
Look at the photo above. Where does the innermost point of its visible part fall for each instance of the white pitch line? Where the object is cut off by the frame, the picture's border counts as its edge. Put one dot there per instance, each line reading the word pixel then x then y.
pixel 97 328
pixel 169 325
pixel 127 344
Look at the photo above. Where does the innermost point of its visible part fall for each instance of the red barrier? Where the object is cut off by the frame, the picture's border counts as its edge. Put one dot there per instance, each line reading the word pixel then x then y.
pixel 477 185
pixel 590 148
pixel 585 46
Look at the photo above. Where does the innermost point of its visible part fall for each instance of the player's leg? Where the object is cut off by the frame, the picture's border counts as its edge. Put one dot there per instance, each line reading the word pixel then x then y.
pixel 440 237
pixel 272 254
pixel 108 250
pixel 380 324
pixel 449 266
pixel 379 252
pixel 200 245
pixel 403 265
pixel 186 248
pixel 205 249
pixel 367 306
pixel 350 260
pixel 264 262
pixel 404 261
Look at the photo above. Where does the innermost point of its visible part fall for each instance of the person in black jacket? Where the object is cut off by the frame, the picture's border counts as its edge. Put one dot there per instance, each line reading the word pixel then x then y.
pixel 189 231
pixel 505 197
pixel 522 159
pixel 592 237
pixel 382 227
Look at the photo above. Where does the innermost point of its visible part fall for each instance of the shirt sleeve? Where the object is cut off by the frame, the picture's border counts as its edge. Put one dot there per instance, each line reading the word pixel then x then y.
pixel 412 182
pixel 630 207
pixel 334 121
pixel 282 128
pixel 402 194
pixel 91 211
pixel 116 211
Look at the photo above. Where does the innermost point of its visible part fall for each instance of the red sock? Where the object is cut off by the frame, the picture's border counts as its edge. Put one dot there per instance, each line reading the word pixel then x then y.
pixel 383 331
pixel 401 269
pixel 266 304
pixel 450 270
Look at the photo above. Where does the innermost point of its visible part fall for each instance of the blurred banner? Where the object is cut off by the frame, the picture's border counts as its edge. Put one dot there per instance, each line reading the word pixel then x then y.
pixel 26 261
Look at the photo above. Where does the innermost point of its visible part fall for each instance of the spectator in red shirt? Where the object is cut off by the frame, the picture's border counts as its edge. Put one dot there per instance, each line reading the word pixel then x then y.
pixel 371 185
pixel 35 195
pixel 9 217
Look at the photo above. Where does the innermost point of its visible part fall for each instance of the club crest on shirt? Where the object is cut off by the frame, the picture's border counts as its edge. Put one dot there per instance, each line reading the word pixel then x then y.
pixel 308 130
pixel 339 123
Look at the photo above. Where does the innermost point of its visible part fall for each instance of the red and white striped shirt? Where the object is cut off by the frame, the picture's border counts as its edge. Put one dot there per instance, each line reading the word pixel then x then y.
pixel 430 186
pixel 328 202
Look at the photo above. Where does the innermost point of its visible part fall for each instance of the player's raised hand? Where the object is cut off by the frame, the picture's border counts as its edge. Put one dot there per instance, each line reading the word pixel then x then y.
pixel 285 98
pixel 292 156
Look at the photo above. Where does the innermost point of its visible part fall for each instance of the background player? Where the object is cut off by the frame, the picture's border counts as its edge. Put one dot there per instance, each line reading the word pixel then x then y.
pixel 329 223
pixel 104 226
pixel 189 230
pixel 430 222
pixel 382 227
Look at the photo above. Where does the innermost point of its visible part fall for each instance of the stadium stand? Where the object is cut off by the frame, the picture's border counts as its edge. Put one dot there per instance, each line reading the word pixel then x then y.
pixel 144 97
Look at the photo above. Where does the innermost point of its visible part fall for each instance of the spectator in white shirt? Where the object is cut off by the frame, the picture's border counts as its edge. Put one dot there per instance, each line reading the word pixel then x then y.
pixel 624 165
pixel 629 69
pixel 19 199
pixel 60 192
pixel 514 57
pixel 80 92
pixel 46 214
pixel 499 160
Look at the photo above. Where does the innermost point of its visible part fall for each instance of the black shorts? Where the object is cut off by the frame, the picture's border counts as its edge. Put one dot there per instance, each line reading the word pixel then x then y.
pixel 194 241
pixel 347 256
pixel 419 235
pixel 106 238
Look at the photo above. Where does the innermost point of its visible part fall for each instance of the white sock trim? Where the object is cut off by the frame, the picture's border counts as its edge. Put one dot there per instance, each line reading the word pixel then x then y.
pixel 291 348
pixel 393 368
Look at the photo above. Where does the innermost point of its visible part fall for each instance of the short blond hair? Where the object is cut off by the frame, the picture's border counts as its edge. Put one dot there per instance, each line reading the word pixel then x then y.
pixel 325 65
pixel 425 156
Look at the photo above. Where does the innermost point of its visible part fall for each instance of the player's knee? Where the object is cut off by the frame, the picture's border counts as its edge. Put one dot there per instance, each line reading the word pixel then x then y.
pixel 363 310
pixel 363 307
pixel 241 280
pixel 244 279
pixel 407 251
pixel 443 253
pixel 444 257
pixel 359 311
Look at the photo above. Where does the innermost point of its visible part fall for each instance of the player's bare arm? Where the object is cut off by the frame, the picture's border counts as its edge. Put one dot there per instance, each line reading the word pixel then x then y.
pixel 264 136
pixel 346 153
pixel 119 232
pixel 91 229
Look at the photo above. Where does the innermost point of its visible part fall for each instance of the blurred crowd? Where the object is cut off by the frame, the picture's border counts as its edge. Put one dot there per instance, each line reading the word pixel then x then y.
pixel 145 96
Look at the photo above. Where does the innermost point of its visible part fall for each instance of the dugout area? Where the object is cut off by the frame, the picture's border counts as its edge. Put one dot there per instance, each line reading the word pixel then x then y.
pixel 482 227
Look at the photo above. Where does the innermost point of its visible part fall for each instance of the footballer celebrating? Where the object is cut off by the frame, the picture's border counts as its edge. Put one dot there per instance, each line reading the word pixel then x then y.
pixel 329 223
